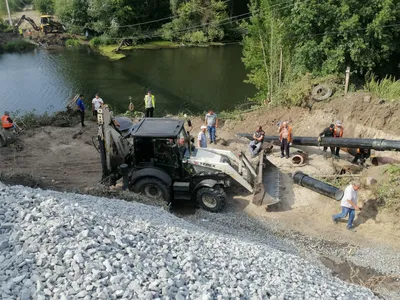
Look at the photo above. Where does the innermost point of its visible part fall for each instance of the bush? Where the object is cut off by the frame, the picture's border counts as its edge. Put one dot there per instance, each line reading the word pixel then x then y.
pixel 389 190
pixel 100 40
pixel 72 43
pixel 195 37
pixel 18 46
pixel 387 88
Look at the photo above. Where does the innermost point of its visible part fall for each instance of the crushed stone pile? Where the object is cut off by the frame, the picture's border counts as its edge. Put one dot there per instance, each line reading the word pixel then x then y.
pixel 67 246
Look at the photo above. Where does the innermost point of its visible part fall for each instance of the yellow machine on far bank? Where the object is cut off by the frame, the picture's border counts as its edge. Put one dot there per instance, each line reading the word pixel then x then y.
pixel 47 24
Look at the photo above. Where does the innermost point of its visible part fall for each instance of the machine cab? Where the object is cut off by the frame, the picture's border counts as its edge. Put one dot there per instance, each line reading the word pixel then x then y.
pixel 162 143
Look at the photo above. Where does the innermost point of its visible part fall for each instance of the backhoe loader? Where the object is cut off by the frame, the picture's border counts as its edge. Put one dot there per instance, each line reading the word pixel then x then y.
pixel 156 157
pixel 47 24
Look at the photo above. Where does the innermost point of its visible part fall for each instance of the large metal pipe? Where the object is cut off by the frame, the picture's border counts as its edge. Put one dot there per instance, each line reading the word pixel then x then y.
pixel 377 161
pixel 317 186
pixel 376 144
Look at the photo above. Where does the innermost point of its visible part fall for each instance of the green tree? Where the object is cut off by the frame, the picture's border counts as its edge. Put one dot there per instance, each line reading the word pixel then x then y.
pixel 44 6
pixel 321 38
pixel 196 21
pixel 328 36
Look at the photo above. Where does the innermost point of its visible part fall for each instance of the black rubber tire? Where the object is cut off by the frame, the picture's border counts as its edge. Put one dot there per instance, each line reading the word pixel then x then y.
pixel 216 193
pixel 326 92
pixel 159 189
pixel 3 139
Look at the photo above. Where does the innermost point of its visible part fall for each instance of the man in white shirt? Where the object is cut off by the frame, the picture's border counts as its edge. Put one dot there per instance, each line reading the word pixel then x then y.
pixel 97 103
pixel 349 204
pixel 201 138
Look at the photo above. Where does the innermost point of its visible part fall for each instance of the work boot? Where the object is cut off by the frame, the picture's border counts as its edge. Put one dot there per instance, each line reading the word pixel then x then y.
pixel 352 229
pixel 334 220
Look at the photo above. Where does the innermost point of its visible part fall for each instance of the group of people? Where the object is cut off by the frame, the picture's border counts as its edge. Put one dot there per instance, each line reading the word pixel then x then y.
pixel 285 138
pixel 97 103
pixel 210 125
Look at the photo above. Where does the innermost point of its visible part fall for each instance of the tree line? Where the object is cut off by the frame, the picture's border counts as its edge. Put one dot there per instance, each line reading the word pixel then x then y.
pixel 282 39
pixel 287 39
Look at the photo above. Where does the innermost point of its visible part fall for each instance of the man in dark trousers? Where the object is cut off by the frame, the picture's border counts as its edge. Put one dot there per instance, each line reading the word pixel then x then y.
pixel 328 132
pixel 149 104
pixel 81 108
pixel 338 133
pixel 285 137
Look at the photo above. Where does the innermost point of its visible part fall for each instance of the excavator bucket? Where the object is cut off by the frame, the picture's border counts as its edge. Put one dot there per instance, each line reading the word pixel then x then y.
pixel 266 183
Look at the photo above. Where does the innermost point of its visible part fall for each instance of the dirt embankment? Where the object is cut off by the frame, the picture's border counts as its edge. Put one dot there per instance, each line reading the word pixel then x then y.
pixel 64 158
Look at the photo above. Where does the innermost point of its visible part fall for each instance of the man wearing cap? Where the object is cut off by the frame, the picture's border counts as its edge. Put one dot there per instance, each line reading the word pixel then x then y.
pixel 328 132
pixel 256 143
pixel 349 204
pixel 97 103
pixel 201 138
pixel 149 104
pixel 8 123
pixel 338 133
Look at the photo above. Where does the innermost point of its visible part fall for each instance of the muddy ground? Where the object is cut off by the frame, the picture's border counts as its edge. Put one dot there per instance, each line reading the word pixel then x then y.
pixel 64 158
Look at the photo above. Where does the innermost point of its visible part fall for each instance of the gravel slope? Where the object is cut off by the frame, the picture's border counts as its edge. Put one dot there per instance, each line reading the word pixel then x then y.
pixel 66 246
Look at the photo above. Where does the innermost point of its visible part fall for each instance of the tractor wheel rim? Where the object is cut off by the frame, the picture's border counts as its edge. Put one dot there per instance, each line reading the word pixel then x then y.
pixel 152 191
pixel 209 201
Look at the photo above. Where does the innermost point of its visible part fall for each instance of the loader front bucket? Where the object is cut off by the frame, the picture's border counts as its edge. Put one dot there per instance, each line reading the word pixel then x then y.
pixel 266 183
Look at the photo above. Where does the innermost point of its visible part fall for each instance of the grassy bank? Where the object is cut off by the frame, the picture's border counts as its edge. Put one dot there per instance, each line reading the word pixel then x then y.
pixel 387 88
pixel 109 50
pixel 17 46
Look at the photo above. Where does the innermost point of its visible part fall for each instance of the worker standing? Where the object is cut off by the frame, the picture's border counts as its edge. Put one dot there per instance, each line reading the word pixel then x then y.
pixel 201 138
pixel 211 122
pixel 97 103
pixel 285 137
pixel 149 104
pixel 338 133
pixel 349 204
pixel 328 132
pixel 8 123
pixel 81 108
pixel 256 143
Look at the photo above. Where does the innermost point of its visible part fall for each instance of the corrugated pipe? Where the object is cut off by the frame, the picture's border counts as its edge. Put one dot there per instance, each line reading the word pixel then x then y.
pixel 317 186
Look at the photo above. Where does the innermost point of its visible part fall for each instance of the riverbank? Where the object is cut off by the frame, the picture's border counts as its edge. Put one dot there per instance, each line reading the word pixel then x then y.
pixel 110 50
pixel 64 159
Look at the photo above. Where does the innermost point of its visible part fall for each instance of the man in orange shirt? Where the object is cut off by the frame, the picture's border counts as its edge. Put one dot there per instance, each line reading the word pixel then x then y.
pixel 8 123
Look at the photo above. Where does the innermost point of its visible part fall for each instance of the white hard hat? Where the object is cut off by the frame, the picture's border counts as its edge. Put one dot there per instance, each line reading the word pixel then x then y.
pixel 203 127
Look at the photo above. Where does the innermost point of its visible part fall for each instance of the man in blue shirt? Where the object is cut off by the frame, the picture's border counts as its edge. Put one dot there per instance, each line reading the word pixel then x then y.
pixel 81 107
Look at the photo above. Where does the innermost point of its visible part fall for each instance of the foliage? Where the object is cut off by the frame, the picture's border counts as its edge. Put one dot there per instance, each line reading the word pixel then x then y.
pixel 389 190
pixel 109 51
pixel 320 38
pixel 387 88
pixel 45 6
pixel 196 21
pixel 72 43
pixel 18 46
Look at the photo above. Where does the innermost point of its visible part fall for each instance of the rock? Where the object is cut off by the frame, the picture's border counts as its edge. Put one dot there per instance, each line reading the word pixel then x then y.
pixel 3 244
pixel 370 181
pixel 367 98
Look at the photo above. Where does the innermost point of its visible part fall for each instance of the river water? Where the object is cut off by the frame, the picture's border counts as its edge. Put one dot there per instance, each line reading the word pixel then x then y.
pixel 189 80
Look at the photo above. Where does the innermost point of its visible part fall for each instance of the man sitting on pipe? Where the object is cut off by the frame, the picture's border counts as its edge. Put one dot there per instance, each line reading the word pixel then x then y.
pixel 328 132
pixel 349 204
pixel 256 143
pixel 361 156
